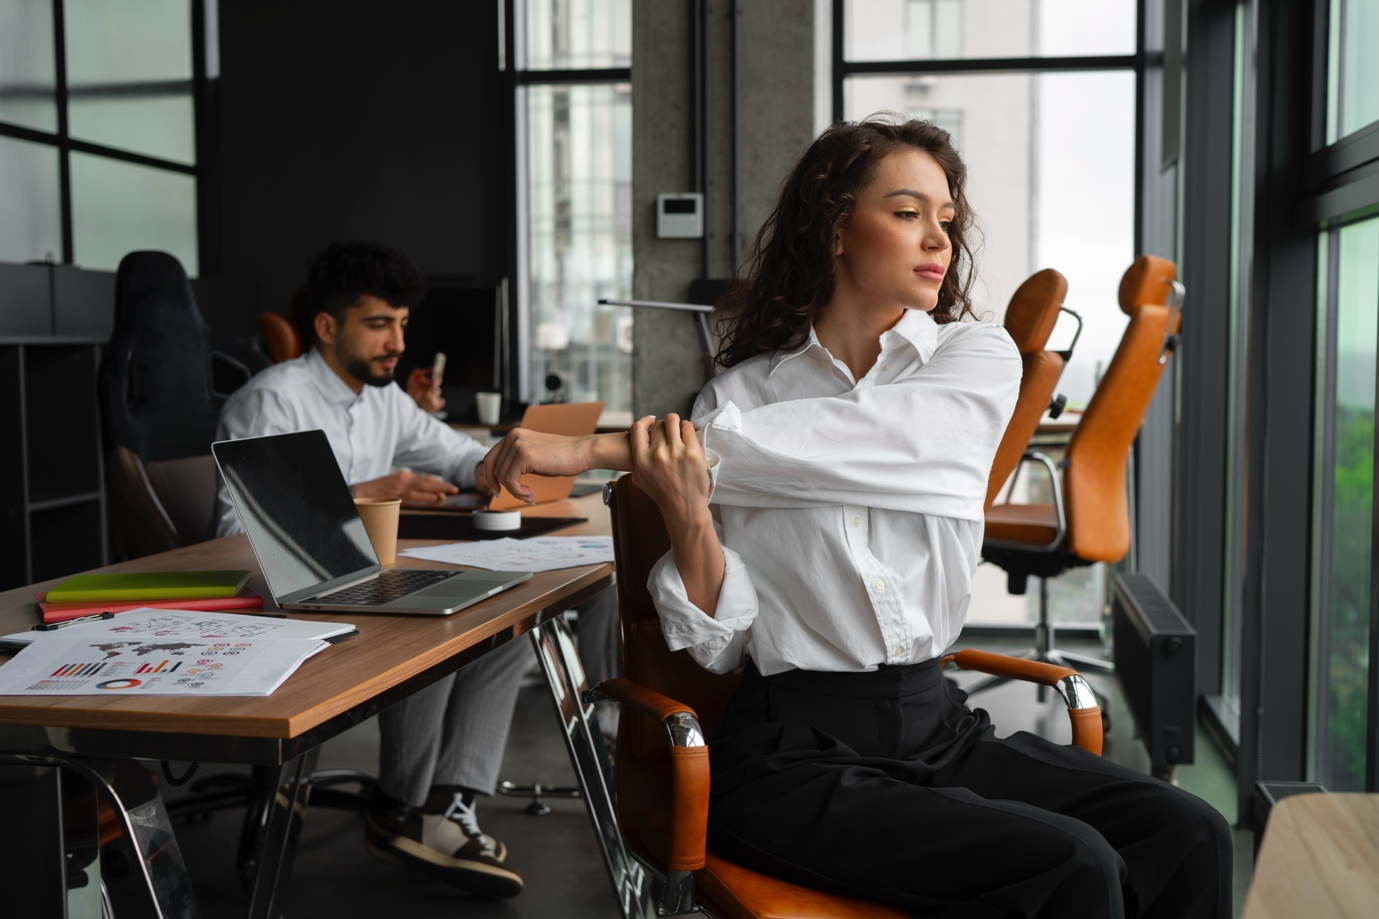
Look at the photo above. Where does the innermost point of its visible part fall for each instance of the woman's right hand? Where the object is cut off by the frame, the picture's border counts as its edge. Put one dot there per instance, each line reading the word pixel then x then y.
pixel 668 464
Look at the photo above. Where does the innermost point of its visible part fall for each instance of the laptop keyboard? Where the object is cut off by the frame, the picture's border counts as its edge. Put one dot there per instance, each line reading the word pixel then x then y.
pixel 390 584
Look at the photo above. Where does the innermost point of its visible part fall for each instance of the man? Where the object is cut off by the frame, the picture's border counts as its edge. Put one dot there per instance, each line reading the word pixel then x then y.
pixel 443 746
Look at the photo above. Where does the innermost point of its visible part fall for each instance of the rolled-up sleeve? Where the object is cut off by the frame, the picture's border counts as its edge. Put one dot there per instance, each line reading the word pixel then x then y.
pixel 716 642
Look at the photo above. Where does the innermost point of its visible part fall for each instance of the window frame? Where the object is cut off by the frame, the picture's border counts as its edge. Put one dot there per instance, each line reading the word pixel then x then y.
pixel 66 145
pixel 517 80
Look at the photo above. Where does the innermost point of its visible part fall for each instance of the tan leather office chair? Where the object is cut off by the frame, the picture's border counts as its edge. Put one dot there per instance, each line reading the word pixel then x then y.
pixel 1030 317
pixel 671 705
pixel 1089 518
pixel 281 339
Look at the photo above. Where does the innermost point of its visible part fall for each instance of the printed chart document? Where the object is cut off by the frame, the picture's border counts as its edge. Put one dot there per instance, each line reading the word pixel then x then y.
pixel 73 661
pixel 190 625
pixel 538 553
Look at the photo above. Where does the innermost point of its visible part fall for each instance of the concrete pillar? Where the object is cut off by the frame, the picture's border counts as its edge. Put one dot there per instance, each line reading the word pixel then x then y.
pixel 776 115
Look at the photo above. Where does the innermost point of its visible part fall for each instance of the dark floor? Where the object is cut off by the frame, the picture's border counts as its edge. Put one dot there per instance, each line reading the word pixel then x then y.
pixel 557 854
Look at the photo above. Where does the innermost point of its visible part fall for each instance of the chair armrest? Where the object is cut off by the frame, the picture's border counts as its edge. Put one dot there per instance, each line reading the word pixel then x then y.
pixel 1056 484
pixel 689 765
pixel 1083 711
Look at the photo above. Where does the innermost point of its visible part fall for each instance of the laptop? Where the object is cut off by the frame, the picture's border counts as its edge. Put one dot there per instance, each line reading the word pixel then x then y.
pixel 312 546
pixel 569 418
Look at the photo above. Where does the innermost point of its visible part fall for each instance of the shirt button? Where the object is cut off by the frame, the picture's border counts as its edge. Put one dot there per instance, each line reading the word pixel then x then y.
pixel 899 650
pixel 885 366
pixel 880 585
pixel 856 521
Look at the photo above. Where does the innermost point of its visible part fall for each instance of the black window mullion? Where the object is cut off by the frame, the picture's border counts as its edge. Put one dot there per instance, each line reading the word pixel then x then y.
pixel 991 65
pixel 63 144
pixel 839 65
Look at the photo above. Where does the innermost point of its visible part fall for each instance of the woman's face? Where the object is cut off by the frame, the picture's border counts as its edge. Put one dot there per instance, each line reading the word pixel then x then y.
pixel 894 252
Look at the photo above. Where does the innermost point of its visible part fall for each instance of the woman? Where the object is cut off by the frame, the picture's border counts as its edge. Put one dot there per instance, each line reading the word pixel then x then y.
pixel 825 515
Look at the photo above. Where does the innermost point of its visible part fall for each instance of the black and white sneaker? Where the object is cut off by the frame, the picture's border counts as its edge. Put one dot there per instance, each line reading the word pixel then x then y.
pixel 443 839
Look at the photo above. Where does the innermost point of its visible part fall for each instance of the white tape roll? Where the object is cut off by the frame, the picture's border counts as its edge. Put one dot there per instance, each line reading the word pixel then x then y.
pixel 497 520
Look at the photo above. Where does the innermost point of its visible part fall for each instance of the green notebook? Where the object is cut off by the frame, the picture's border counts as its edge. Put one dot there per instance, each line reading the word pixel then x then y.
pixel 149 585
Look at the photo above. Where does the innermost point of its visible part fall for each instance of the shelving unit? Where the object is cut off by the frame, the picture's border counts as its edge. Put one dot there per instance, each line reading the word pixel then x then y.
pixel 52 481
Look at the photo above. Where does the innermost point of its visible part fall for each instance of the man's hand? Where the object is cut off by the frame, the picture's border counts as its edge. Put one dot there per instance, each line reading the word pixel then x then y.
pixel 407 485
pixel 425 390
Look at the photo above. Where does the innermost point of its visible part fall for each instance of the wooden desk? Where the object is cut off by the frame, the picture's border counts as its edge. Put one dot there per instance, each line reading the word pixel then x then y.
pixel 1320 859
pixel 392 657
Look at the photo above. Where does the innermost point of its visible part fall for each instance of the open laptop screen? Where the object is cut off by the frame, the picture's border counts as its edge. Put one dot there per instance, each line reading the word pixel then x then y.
pixel 296 508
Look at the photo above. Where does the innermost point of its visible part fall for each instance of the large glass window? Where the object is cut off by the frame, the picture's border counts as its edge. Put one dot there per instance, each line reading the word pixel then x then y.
pixel 129 76
pixel 575 112
pixel 1350 277
pixel 1353 68
pixel 580 232
pixel 907 30
pixel 120 207
pixel 100 159
pixel 578 34
pixel 28 78
pixel 1052 185
pixel 30 215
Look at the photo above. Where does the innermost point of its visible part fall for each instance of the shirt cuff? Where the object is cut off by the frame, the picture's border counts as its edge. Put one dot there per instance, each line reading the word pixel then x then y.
pixel 727 417
pixel 687 626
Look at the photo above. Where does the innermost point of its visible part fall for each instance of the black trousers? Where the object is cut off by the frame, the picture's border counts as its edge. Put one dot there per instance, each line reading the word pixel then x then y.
pixel 886 786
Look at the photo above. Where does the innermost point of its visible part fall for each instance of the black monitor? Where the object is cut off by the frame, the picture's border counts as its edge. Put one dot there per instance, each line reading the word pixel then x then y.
pixel 464 321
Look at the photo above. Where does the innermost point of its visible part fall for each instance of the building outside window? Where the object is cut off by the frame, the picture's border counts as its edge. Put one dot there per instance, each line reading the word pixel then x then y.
pixel 1348 321
pixel 575 118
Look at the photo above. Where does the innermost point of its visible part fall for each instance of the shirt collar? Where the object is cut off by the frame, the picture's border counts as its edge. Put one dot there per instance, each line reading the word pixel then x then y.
pixel 327 380
pixel 916 327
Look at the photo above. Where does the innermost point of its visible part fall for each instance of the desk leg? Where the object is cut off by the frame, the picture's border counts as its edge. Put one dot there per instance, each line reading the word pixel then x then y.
pixel 555 647
pixel 133 794
pixel 281 824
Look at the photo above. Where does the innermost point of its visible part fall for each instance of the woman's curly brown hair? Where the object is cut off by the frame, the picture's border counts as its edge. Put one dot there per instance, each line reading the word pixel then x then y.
pixel 788 276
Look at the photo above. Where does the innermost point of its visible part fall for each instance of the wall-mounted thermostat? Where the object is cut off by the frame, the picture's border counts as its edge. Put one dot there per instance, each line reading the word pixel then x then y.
pixel 680 216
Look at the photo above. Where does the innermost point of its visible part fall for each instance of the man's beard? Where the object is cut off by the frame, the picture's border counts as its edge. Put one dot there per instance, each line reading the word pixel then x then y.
pixel 362 370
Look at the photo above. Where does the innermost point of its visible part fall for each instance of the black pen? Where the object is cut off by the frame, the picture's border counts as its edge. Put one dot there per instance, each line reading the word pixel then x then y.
pixel 51 626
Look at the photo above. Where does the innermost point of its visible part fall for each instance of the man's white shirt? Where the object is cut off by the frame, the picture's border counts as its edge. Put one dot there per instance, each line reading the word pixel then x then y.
pixel 372 433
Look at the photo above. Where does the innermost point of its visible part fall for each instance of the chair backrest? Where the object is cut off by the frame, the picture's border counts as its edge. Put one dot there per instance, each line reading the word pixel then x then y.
pixel 165 373
pixel 643 774
pixel 162 506
pixel 1094 486
pixel 1030 319
pixel 281 340
pixel 163 378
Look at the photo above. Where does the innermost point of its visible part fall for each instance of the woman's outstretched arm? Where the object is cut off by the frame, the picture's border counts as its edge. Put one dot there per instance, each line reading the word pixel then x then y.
pixel 523 451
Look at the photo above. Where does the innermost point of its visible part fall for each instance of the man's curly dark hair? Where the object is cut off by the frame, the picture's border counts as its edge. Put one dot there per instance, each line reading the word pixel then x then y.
pixel 788 276
pixel 345 271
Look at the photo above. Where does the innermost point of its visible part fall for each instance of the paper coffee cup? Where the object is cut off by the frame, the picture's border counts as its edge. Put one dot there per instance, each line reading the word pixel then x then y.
pixel 380 516
pixel 490 405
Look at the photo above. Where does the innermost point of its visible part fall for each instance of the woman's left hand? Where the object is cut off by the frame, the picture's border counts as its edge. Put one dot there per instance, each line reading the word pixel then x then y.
pixel 668 464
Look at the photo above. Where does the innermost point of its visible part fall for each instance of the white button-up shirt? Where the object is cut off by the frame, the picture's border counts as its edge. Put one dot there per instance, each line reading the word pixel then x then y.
pixel 371 433
pixel 850 511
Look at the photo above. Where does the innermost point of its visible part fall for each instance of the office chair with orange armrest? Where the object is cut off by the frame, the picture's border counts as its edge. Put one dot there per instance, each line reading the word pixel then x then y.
pixel 1089 519
pixel 671 707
